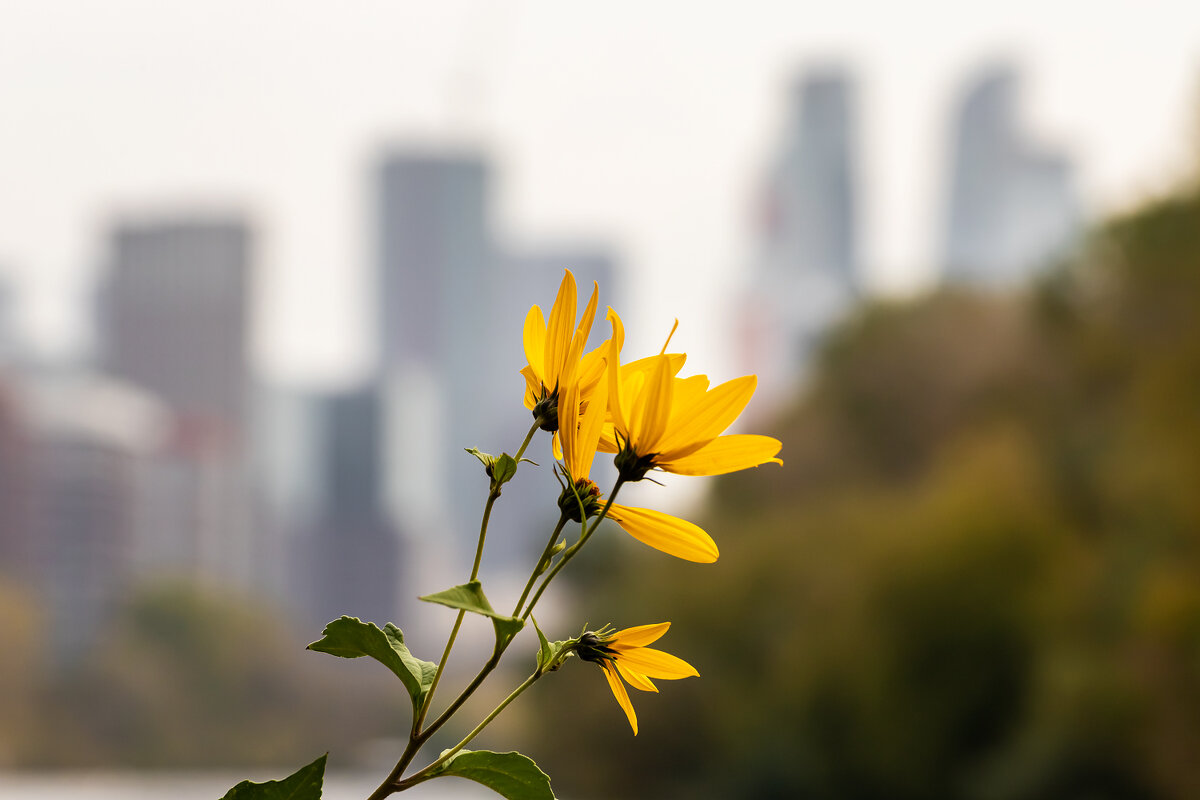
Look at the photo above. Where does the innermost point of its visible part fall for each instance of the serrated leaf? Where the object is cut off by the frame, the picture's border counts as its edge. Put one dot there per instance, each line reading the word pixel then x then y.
pixel 349 637
pixel 303 784
pixel 510 775
pixel 470 597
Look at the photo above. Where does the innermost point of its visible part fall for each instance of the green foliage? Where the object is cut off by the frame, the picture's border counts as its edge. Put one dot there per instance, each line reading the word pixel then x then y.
pixel 500 469
pixel 303 784
pixel 186 677
pixel 977 576
pixel 470 597
pixel 510 775
pixel 349 637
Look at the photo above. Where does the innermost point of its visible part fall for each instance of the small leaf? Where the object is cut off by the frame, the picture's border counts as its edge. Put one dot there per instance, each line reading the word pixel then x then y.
pixel 503 469
pixel 511 775
pixel 349 637
pixel 303 784
pixel 470 597
pixel 484 458
pixel 548 652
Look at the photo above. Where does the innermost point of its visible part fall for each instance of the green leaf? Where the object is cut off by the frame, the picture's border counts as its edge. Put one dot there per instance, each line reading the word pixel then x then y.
pixel 511 775
pixel 349 637
pixel 503 469
pixel 303 784
pixel 548 652
pixel 470 597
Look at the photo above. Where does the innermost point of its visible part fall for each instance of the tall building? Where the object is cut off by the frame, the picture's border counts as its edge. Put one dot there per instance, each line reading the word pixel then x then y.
pixel 808 272
pixel 1011 205
pixel 90 439
pixel 435 273
pixel 350 556
pixel 814 212
pixel 174 320
pixel 16 486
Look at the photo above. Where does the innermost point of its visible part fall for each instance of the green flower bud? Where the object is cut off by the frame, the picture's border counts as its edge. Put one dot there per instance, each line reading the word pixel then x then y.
pixel 585 493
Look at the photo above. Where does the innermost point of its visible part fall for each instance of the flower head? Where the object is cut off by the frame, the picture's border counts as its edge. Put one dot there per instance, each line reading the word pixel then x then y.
pixel 582 415
pixel 661 421
pixel 554 352
pixel 624 655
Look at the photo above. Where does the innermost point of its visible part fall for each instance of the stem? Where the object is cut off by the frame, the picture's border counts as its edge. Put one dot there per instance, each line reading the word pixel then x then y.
pixel 417 737
pixel 562 522
pixel 423 774
pixel 493 495
pixel 570 552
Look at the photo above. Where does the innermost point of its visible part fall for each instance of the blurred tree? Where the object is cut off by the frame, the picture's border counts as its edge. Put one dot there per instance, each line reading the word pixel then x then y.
pixel 977 575
pixel 189 678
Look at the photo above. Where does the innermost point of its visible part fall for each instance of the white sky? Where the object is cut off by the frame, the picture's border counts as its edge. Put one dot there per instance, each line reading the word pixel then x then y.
pixel 646 124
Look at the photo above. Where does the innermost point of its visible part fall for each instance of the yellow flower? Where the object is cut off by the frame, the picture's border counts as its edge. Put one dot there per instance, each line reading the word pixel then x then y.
pixel 554 351
pixel 661 421
pixel 624 655
pixel 582 418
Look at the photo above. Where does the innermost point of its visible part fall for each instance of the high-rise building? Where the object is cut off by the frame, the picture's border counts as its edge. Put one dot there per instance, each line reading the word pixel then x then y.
pixel 174 320
pixel 435 272
pixel 16 486
pixel 1011 204
pixel 350 558
pixel 808 273
pixel 90 438
pixel 813 223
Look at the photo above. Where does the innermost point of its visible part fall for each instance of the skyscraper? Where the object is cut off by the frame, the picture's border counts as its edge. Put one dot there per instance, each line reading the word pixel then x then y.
pixel 808 270
pixel 175 317
pixel 814 182
pixel 174 320
pixel 435 279
pixel 1011 205
pixel 349 560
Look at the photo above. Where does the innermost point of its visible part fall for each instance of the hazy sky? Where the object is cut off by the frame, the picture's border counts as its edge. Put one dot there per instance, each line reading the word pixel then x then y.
pixel 644 124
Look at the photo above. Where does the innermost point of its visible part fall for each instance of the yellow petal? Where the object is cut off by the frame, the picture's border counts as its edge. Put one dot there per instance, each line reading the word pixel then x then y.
pixel 648 364
pixel 672 535
pixel 615 407
pixel 585 326
pixel 558 330
pixel 656 664
pixel 726 454
pixel 635 679
pixel 535 342
pixel 618 690
pixel 640 636
pixel 706 418
pixel 533 387
pixel 565 441
pixel 591 369
pixel 594 407
pixel 657 398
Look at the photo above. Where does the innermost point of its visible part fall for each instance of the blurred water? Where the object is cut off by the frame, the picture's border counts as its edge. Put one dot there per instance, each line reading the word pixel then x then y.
pixel 204 786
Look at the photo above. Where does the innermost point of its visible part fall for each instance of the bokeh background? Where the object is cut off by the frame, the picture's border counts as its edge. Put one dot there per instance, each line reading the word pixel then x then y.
pixel 262 276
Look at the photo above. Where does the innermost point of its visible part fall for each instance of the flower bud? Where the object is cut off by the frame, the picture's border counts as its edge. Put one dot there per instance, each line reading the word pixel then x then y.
pixel 583 493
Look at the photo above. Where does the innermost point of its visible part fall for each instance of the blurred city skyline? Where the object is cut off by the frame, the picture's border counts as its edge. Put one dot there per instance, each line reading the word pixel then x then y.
pixel 596 132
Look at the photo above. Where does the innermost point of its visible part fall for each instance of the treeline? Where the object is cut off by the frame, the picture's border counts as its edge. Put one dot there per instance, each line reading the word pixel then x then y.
pixel 977 575
pixel 184 677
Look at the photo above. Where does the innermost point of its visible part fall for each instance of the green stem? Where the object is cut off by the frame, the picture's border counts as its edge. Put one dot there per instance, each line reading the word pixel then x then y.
pixel 493 495
pixel 562 522
pixel 424 773
pixel 570 552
